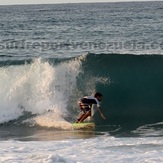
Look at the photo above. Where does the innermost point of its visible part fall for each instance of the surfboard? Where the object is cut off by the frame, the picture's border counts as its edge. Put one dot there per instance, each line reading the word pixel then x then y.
pixel 84 125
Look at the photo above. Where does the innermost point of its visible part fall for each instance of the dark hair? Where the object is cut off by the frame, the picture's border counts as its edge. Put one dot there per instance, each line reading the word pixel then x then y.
pixel 97 94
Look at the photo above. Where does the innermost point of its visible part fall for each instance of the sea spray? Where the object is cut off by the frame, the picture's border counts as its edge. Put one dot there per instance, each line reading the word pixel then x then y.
pixel 36 88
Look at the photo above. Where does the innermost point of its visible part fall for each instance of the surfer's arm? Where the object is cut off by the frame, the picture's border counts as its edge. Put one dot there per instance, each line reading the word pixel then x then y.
pixel 102 115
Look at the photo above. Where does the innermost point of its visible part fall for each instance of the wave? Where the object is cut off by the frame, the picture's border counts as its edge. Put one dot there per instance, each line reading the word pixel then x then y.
pixel 135 90
pixel 50 88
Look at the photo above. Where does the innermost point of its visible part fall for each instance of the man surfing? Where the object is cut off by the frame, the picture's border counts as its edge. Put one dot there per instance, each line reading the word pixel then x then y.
pixel 85 105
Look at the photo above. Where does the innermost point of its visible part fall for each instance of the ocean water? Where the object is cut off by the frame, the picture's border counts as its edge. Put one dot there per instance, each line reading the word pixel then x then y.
pixel 52 55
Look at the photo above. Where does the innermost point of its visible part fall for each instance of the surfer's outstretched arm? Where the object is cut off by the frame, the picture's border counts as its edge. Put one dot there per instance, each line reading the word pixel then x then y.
pixel 101 113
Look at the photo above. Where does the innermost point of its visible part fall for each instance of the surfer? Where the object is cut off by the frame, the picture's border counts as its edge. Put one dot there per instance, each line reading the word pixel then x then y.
pixel 85 105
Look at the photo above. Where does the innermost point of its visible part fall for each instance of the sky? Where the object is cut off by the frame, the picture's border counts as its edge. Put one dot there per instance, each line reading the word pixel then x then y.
pixel 11 2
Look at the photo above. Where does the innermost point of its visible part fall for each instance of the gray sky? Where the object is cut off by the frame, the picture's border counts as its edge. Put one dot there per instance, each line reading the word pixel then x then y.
pixel 10 2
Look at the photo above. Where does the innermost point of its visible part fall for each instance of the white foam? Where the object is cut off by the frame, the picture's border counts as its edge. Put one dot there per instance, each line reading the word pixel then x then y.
pixel 154 129
pixel 102 149
pixel 52 119
pixel 36 88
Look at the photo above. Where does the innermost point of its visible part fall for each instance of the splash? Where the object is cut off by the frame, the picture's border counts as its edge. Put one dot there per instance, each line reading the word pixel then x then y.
pixel 36 88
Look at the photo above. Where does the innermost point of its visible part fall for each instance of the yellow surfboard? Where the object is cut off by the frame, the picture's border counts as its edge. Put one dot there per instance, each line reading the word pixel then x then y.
pixel 84 125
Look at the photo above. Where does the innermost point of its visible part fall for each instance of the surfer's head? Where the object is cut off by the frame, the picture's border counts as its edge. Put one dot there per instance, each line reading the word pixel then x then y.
pixel 98 96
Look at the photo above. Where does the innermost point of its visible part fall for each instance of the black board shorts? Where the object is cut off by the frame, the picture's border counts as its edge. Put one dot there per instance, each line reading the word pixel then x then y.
pixel 85 104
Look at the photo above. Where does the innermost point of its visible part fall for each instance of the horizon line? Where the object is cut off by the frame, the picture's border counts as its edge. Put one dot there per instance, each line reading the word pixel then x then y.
pixel 57 3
